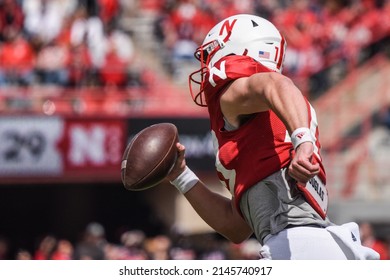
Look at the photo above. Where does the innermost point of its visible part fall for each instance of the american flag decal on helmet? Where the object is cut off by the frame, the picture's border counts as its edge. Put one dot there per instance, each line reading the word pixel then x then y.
pixel 264 54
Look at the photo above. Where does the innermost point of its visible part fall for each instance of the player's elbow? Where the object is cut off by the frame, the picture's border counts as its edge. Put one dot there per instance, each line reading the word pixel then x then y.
pixel 238 235
pixel 238 239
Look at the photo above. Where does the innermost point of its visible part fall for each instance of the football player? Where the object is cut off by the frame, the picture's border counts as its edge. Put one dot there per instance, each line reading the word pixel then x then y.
pixel 267 149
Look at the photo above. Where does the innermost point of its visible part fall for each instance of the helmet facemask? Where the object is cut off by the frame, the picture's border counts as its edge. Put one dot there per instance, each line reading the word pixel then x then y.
pixel 204 54
pixel 196 84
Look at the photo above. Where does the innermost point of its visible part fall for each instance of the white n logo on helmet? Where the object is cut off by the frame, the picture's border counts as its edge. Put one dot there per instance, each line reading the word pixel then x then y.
pixel 221 73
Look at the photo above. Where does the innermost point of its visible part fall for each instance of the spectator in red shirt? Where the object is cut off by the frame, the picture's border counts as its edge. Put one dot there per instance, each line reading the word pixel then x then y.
pixel 113 72
pixel 46 247
pixel 80 66
pixel 52 64
pixel 108 9
pixel 118 58
pixel 11 17
pixel 17 60
pixel 64 250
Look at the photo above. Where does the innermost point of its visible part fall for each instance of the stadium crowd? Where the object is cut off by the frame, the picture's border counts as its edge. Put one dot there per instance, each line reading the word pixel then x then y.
pixel 326 38
pixel 78 43
pixel 135 245
pixel 65 43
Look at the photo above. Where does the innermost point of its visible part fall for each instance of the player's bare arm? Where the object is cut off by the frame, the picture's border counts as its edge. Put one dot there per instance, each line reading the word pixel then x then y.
pixel 264 91
pixel 272 91
pixel 216 210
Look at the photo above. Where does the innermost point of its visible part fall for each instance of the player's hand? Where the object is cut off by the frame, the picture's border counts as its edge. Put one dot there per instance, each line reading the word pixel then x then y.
pixel 301 167
pixel 180 164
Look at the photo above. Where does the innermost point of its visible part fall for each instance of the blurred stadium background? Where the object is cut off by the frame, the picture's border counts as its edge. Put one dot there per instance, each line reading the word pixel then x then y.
pixel 79 77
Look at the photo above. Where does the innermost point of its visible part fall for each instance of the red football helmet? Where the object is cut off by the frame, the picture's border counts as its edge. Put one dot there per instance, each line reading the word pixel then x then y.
pixel 238 35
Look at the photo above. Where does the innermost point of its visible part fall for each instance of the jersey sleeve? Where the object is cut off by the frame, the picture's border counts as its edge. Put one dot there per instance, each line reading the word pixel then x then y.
pixel 229 69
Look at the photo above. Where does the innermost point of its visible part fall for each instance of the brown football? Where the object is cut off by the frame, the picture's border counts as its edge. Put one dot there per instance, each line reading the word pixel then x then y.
pixel 149 157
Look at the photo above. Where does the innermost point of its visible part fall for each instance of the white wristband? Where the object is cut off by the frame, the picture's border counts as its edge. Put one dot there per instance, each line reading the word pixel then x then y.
pixel 301 135
pixel 185 181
